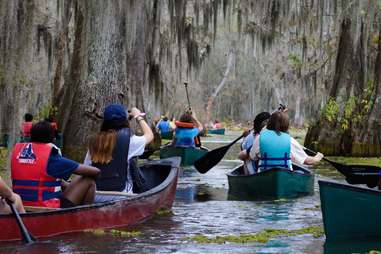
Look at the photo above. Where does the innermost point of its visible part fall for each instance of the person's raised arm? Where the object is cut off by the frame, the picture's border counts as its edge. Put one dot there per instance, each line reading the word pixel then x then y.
pixel 147 132
pixel 198 123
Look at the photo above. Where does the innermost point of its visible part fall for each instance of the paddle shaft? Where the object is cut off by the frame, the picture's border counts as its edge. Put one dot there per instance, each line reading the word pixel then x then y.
pixel 186 91
pixel 26 236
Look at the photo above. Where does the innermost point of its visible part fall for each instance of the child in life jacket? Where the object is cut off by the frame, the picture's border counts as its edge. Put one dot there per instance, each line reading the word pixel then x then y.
pixel 187 130
pixel 38 168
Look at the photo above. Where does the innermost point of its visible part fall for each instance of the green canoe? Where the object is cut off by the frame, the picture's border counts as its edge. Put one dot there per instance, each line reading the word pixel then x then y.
pixel 188 154
pixel 217 131
pixel 167 135
pixel 274 183
pixel 350 211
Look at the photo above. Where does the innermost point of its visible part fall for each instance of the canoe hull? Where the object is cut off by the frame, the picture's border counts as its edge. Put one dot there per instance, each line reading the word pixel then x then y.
pixel 274 183
pixel 217 131
pixel 125 212
pixel 188 154
pixel 350 211
pixel 167 135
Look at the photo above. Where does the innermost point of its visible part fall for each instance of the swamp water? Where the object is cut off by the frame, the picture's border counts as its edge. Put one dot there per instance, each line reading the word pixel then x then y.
pixel 205 220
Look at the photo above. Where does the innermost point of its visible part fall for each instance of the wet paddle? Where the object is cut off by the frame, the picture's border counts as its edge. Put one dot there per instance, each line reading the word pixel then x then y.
pixel 355 174
pixel 26 236
pixel 212 158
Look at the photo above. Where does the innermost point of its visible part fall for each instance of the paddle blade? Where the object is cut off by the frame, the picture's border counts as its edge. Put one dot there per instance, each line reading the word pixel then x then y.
pixel 210 159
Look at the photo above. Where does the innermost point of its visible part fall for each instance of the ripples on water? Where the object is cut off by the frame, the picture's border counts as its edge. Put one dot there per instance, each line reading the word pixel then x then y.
pixel 203 207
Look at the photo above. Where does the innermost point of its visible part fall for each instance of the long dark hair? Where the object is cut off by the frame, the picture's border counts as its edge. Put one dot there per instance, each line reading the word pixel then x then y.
pixel 279 122
pixel 186 118
pixel 260 121
pixel 102 144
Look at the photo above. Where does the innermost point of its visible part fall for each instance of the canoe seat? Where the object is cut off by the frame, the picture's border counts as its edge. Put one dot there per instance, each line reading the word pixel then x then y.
pixel 39 209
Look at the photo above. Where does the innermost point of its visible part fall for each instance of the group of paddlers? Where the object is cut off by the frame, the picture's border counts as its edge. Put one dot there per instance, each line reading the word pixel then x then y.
pixel 186 130
pixel 42 177
pixel 269 144
pixel 188 120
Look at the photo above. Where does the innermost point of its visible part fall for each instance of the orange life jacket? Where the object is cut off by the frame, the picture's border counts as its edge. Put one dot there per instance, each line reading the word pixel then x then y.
pixel 184 125
pixel 26 126
pixel 29 177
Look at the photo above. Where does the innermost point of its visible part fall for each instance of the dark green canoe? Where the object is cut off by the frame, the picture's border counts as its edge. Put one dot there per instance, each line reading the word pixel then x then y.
pixel 188 154
pixel 167 135
pixel 274 183
pixel 350 211
pixel 217 131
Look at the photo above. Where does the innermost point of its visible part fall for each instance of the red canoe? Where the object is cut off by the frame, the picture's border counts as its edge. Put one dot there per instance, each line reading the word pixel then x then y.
pixel 160 175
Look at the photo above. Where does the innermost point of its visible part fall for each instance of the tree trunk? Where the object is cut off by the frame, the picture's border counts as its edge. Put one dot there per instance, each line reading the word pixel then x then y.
pixel 212 97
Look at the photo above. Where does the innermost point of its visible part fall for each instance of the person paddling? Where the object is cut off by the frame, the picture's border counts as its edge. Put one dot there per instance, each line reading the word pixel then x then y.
pixel 187 130
pixel 7 193
pixel 37 170
pixel 260 121
pixel 114 148
pixel 164 126
pixel 276 148
pixel 26 127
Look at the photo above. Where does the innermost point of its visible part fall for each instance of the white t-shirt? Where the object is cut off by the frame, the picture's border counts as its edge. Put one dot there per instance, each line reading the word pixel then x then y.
pixel 298 155
pixel 136 148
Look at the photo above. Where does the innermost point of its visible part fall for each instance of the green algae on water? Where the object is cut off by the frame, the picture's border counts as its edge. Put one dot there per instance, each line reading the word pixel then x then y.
pixel 113 232
pixel 125 233
pixel 261 237
pixel 314 208
pixel 163 211
pixel 97 232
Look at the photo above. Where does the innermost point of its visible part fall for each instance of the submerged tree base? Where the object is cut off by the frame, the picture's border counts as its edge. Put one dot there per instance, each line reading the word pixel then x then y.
pixel 261 237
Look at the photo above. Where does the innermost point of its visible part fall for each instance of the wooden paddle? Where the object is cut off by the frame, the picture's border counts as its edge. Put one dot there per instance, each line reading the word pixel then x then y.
pixel 26 236
pixel 355 174
pixel 186 91
pixel 212 158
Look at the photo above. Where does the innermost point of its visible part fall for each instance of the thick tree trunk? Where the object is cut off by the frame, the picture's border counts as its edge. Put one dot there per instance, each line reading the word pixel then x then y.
pixel 368 138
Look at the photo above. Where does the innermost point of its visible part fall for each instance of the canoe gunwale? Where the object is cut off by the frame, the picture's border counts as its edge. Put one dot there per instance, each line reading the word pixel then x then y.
pixel 168 180
pixel 233 173
pixel 350 187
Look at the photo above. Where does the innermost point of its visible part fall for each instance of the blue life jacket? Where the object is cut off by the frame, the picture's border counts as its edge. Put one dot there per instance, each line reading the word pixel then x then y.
pixel 185 136
pixel 113 176
pixel 275 150
pixel 164 126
